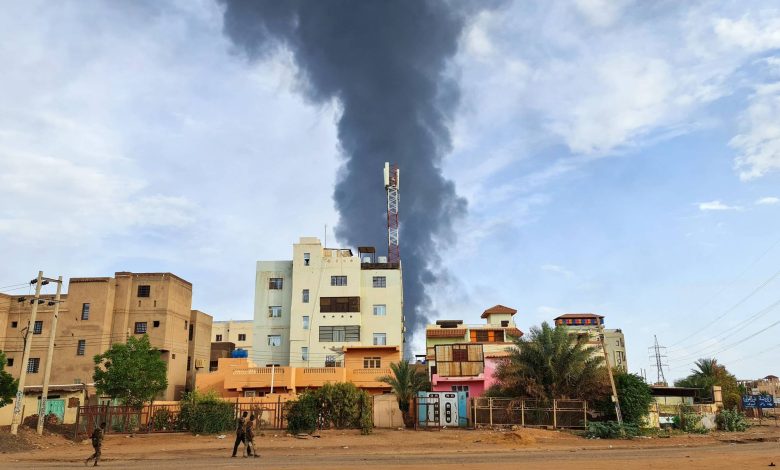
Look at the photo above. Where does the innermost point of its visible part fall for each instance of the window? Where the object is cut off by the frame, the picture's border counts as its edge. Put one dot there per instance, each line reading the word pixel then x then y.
pixel 380 281
pixel 144 291
pixel 156 323
pixel 380 339
pixel 14 324
pixel 461 388
pixel 218 338
pixel 140 327
pixel 338 280
pixel 305 322
pixel 81 348
pixel 504 323
pixel 306 259
pixel 339 304
pixel 330 361
pixel 9 362
pixel 33 364
pixel 304 353
pixel 274 340
pixel 192 332
pixel 189 362
pixel 305 296
pixel 186 324
pixel 38 327
pixel 380 310
pixel 275 283
pixel 482 336
pixel 85 311
pixel 275 311
pixel 242 336
pixel 349 333
pixel 372 362
pixel 460 354
pixel 173 355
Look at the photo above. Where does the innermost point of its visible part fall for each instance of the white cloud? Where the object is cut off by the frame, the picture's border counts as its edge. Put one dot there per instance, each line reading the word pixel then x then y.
pixel 554 268
pixel 601 13
pixel 768 201
pixel 753 32
pixel 717 206
pixel 758 143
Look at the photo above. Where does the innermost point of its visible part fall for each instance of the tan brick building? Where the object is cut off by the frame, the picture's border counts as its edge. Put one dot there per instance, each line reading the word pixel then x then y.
pixel 99 311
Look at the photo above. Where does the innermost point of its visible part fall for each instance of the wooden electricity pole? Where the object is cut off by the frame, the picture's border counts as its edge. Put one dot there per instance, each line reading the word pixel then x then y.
pixel 49 356
pixel 16 418
pixel 609 372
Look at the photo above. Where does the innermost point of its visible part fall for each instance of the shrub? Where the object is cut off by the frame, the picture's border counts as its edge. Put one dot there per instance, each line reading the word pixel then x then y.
pixel 340 406
pixel 689 421
pixel 611 430
pixel 206 413
pixel 731 421
pixel 162 420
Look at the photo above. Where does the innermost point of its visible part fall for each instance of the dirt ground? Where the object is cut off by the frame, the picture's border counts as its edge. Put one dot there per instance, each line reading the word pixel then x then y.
pixel 412 450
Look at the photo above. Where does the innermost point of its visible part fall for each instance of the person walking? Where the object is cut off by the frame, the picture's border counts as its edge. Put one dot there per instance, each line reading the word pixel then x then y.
pixel 250 437
pixel 240 432
pixel 97 443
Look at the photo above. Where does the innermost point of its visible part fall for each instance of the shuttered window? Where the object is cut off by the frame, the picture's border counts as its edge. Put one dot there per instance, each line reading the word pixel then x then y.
pixel 339 304
pixel 340 334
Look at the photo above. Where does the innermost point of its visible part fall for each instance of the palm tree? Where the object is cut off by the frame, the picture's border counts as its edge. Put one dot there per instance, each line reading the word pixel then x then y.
pixel 552 363
pixel 406 380
pixel 709 372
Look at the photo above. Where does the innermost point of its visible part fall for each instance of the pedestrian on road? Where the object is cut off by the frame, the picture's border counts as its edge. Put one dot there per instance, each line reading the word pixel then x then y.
pixel 97 443
pixel 250 437
pixel 240 432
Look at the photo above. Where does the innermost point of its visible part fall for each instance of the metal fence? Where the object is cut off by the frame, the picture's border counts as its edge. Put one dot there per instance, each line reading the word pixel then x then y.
pixel 165 418
pixel 568 414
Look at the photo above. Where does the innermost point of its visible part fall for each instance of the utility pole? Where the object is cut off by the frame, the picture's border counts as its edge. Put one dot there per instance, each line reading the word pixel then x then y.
pixel 659 361
pixel 609 372
pixel 49 355
pixel 26 357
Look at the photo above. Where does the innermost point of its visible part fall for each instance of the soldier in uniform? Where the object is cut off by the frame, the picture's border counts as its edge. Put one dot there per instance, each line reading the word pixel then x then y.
pixel 240 432
pixel 97 443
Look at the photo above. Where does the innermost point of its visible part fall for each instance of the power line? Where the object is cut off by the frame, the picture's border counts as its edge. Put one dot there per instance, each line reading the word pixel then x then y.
pixel 736 343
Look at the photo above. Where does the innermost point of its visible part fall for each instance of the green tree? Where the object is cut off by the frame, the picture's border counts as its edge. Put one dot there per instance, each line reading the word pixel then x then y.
pixel 132 372
pixel 635 399
pixel 8 384
pixel 709 372
pixel 552 363
pixel 406 380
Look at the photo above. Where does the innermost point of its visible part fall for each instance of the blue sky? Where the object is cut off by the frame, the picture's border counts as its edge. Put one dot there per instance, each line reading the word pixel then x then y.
pixel 617 157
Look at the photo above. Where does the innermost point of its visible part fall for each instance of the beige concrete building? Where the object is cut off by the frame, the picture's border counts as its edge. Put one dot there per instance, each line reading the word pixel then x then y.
pixel 308 310
pixel 97 312
pixel 238 332
pixel 588 323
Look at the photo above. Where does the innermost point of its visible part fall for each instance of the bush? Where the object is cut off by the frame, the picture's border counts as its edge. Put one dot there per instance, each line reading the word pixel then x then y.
pixel 163 420
pixel 731 421
pixel 340 406
pixel 206 413
pixel 611 430
pixel 634 396
pixel 689 421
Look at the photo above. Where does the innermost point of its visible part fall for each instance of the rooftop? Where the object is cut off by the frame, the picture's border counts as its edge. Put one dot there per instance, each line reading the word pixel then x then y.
pixel 579 315
pixel 498 309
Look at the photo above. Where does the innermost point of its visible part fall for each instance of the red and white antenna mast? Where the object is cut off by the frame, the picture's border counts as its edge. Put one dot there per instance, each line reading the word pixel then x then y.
pixel 392 176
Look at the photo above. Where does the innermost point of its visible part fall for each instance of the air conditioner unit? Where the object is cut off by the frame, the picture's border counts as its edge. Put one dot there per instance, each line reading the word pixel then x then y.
pixel 382 259
pixel 200 363
pixel 366 259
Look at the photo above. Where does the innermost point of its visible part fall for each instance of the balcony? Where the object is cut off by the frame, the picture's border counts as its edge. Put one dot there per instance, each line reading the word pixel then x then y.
pixel 259 377
pixel 368 378
pixel 318 376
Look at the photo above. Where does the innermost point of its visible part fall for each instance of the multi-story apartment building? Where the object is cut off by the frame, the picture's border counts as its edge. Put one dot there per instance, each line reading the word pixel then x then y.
pixel 238 332
pixel 308 310
pixel 464 357
pixel 589 323
pixel 97 312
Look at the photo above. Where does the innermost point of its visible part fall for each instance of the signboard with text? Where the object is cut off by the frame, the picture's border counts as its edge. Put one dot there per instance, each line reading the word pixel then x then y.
pixel 758 401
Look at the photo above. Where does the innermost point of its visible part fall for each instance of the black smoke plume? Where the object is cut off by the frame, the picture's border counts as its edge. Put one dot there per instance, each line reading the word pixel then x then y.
pixel 385 62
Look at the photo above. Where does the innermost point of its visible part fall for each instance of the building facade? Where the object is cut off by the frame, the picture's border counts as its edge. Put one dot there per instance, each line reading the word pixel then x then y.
pixel 589 323
pixel 97 312
pixel 308 311
pixel 464 357
pixel 238 332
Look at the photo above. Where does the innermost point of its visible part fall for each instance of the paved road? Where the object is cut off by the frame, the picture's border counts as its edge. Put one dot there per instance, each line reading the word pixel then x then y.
pixel 758 455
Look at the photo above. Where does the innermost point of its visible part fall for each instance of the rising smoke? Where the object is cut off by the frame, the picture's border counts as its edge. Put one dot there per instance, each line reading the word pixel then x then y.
pixel 384 61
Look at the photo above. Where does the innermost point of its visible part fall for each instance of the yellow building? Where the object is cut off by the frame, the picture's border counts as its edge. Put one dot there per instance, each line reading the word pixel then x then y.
pixel 238 332
pixel 308 311
pixel 97 312
pixel 588 323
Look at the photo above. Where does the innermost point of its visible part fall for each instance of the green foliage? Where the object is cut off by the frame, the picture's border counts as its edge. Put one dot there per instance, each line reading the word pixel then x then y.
pixel 689 421
pixel 132 372
pixel 731 421
pixel 709 372
pixel 163 419
pixel 8 385
pixel 339 405
pixel 206 413
pixel 611 430
pixel 553 363
pixel 635 399
pixel 406 380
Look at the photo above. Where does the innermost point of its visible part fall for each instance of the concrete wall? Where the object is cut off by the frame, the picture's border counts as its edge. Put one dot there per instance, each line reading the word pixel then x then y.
pixel 231 330
pixel 264 325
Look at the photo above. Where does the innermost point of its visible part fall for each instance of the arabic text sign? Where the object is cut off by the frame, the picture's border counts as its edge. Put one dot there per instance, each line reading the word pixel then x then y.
pixel 758 401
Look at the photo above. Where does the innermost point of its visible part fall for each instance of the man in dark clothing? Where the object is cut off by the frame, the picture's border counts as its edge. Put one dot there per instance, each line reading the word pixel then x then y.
pixel 240 432
pixel 97 443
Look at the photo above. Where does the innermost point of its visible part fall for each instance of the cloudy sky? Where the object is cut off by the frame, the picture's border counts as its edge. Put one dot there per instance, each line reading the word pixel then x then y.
pixel 617 157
